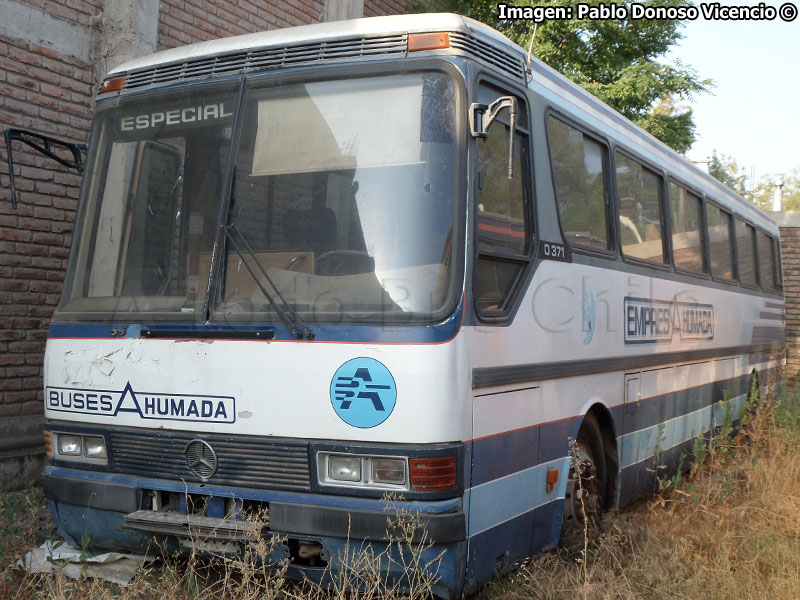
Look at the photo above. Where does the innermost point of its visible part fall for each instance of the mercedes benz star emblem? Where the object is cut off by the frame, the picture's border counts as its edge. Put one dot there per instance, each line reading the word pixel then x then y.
pixel 201 459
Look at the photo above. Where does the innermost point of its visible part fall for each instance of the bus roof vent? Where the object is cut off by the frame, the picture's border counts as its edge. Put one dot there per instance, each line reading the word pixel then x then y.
pixel 353 49
pixel 497 57
pixel 267 59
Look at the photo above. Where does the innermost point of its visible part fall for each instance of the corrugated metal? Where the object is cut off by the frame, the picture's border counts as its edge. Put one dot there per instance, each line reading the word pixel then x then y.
pixel 246 462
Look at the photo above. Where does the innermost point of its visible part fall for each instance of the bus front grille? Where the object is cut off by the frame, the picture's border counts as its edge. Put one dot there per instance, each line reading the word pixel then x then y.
pixel 242 461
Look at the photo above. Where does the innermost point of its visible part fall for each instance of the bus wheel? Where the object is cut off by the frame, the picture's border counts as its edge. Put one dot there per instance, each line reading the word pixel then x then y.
pixel 584 499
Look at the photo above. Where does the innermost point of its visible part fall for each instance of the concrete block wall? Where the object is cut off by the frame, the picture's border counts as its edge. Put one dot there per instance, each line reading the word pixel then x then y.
pixel 53 55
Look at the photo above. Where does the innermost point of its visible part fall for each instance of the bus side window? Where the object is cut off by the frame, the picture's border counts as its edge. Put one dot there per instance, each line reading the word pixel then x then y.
pixel 766 262
pixel 745 253
pixel 580 167
pixel 720 248
pixel 640 208
pixel 503 227
pixel 686 216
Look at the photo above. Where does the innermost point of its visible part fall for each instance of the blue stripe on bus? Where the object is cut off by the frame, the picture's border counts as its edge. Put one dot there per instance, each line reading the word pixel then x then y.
pixel 658 409
pixel 509 497
pixel 521 537
pixel 509 452
pixel 762 334
pixel 641 478
pixel 389 333
pixel 653 442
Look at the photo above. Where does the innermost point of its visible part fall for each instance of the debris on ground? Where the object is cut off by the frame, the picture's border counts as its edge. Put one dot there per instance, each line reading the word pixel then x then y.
pixel 58 556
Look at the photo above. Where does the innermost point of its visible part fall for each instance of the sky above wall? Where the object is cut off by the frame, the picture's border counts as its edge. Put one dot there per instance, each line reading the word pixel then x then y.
pixel 753 112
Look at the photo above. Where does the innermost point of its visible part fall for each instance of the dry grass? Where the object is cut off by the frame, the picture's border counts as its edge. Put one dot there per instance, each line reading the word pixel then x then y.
pixel 730 529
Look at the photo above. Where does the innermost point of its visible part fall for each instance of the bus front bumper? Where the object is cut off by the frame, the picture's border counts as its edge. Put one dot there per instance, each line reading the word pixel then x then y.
pixel 109 509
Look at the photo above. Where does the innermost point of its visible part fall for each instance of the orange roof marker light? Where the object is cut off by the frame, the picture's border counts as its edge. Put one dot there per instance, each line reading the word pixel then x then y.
pixel 427 41
pixel 112 85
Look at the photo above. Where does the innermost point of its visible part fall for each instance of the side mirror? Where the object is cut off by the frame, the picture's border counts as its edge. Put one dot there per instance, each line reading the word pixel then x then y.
pixel 482 116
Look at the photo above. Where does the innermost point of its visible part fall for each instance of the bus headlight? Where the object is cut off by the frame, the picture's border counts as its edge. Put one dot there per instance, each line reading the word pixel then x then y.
pixel 363 470
pixel 344 468
pixel 94 447
pixel 389 470
pixel 74 447
pixel 69 445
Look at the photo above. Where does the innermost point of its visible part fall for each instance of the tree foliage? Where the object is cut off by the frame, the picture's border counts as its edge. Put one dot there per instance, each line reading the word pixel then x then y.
pixel 762 193
pixel 726 170
pixel 616 60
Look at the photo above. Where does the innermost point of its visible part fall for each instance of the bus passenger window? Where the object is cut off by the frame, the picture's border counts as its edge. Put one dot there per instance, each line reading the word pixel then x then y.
pixel 687 227
pixel 503 234
pixel 579 176
pixel 720 249
pixel 766 261
pixel 639 191
pixel 746 255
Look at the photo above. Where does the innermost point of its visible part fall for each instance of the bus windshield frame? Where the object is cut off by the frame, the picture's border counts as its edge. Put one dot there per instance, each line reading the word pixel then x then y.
pixel 194 165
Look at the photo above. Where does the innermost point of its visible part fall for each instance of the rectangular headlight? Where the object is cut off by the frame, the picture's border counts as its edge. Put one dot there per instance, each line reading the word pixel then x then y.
pixel 389 470
pixel 344 468
pixel 69 445
pixel 94 447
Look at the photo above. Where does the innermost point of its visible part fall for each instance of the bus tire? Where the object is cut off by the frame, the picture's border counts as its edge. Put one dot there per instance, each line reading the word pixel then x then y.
pixel 584 499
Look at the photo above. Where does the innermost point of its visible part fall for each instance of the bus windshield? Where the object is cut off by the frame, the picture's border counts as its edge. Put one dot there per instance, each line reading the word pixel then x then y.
pixel 342 199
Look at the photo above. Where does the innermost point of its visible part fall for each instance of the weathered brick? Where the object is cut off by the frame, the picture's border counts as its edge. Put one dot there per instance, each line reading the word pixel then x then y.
pixel 15 235
pixel 12 359
pixel 20 397
pixel 33 408
pixel 23 273
pixel 25 371
pixel 51 239
pixel 9 384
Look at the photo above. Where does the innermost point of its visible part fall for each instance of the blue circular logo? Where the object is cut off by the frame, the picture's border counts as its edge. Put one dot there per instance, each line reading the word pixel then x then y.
pixel 363 392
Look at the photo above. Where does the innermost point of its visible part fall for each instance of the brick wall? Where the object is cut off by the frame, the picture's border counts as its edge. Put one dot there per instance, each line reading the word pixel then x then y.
pixel 790 255
pixel 182 22
pixel 47 91
pixel 376 8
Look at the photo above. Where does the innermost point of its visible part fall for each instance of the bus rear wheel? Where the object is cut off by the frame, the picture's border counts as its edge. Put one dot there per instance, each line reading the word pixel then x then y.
pixel 584 499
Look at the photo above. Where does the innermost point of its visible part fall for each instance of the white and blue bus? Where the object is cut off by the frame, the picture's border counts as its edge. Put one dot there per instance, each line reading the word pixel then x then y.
pixel 389 262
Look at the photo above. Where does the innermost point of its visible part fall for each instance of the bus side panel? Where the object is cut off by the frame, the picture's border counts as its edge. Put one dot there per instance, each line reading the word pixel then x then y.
pixel 577 314
pixel 510 511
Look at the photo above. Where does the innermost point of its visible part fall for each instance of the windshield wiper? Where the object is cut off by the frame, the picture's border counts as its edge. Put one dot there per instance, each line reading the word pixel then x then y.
pixel 288 316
